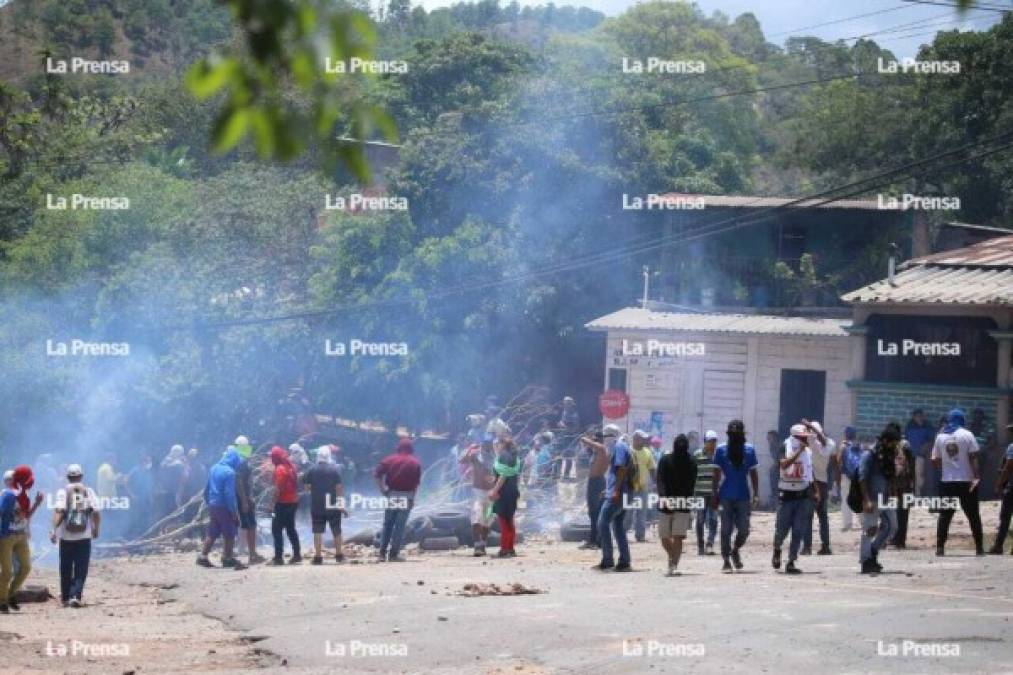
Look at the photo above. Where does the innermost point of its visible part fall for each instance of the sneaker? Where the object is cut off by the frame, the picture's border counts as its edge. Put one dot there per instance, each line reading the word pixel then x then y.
pixel 775 562
pixel 601 567
pixel 204 562
pixel 317 560
pixel 339 557
pixel 234 564
pixel 824 550
pixel 807 551
pixel 13 604
pixel 939 551
pixel 623 567
pixel 710 549
pixel 727 567
pixel 672 571
pixel 276 562
pixel 479 551
pixel 295 560
pixel 995 551
pixel 395 558
pixel 736 559
pixel 76 603
pixel 791 569
pixel 257 559
pixel 381 557
pixel 869 567
pixel 3 608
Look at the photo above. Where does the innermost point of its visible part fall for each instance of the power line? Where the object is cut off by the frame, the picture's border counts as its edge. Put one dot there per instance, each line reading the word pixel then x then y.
pixel 984 8
pixel 709 229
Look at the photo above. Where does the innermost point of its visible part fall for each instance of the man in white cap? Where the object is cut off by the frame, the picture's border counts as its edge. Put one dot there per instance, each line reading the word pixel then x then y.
pixel 610 518
pixel 821 489
pixel 706 517
pixel 636 506
pixel 75 523
pixel 795 485
pixel 327 497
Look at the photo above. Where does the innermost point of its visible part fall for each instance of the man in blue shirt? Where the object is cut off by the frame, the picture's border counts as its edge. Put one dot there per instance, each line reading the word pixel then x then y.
pixel 735 460
pixel 849 458
pixel 920 435
pixel 610 517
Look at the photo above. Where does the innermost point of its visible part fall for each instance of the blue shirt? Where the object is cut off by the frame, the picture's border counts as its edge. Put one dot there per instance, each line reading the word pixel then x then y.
pixel 734 481
pixel 918 436
pixel 851 457
pixel 8 502
pixel 869 469
pixel 619 456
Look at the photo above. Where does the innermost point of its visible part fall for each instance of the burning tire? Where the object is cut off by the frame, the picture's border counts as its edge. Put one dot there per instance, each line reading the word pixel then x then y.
pixel 364 537
pixel 575 531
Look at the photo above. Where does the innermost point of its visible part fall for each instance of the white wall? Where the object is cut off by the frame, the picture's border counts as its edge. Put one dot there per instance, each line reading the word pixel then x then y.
pixel 744 375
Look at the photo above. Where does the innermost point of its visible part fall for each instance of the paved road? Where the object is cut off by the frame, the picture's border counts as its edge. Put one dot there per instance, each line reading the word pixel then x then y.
pixel 926 615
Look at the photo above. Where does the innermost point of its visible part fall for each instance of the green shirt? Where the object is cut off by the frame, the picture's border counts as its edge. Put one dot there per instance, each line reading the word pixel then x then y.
pixel 704 474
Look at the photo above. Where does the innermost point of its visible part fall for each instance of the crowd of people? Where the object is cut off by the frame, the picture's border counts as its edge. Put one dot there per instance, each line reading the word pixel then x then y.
pixel 632 483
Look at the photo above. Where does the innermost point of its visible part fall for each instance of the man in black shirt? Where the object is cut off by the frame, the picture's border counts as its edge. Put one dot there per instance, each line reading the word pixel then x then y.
pixel 676 483
pixel 327 496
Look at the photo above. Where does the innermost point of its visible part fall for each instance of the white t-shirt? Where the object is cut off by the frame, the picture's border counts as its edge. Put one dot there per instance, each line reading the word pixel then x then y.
pixel 821 457
pixel 955 450
pixel 61 504
pixel 797 476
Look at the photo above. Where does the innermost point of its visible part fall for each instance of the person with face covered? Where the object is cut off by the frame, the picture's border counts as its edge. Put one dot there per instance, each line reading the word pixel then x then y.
pixel 170 481
pixel 505 494
pixel 819 505
pixel 795 488
pixel 222 501
pixel 244 494
pixel 286 503
pixel 955 455
pixel 480 459
pixel 878 471
pixel 15 509
pixel 734 462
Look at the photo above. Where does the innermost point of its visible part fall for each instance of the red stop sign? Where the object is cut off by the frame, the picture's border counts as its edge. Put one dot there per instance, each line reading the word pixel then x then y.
pixel 613 404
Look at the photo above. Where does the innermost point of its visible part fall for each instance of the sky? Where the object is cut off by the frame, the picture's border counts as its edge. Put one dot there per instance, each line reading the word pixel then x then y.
pixel 781 19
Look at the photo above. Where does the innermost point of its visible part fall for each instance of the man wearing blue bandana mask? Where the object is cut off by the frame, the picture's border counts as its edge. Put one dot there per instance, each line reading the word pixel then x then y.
pixel 955 456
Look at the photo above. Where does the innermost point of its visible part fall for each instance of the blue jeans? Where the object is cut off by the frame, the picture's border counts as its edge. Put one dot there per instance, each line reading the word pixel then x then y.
pixel 611 518
pixel 706 517
pixel 792 516
pixel 886 521
pixel 637 517
pixel 394 521
pixel 734 513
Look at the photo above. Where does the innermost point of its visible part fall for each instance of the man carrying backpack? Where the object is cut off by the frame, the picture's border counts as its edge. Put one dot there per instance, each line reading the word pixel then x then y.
pixel 75 523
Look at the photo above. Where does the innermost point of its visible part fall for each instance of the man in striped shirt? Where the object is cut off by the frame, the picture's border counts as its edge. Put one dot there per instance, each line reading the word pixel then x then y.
pixel 706 516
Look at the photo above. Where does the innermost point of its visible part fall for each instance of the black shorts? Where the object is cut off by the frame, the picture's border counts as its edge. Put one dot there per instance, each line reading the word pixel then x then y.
pixel 320 523
pixel 247 520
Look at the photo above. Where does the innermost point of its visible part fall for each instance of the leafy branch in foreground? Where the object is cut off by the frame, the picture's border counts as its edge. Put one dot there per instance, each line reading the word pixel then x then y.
pixel 286 44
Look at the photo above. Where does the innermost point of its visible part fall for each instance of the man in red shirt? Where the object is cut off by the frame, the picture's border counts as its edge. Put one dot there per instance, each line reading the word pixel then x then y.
pixel 397 477
pixel 286 501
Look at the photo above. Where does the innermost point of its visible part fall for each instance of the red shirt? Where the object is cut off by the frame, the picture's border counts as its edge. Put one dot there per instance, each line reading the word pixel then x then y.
pixel 286 484
pixel 402 470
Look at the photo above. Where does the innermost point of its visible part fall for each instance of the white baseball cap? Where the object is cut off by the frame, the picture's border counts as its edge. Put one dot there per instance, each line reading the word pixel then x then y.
pixel 611 431
pixel 241 440
pixel 74 470
pixel 799 430
pixel 640 433
pixel 711 435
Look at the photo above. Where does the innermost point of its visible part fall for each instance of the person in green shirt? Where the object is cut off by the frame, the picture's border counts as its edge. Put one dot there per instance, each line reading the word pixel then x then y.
pixel 636 509
pixel 706 517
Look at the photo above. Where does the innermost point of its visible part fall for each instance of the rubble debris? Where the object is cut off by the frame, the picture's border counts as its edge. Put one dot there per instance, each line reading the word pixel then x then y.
pixel 474 590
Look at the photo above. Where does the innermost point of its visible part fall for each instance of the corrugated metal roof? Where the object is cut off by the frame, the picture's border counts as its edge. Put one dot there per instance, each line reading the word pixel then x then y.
pixel 746 201
pixel 981 274
pixel 991 252
pixel 931 284
pixel 636 318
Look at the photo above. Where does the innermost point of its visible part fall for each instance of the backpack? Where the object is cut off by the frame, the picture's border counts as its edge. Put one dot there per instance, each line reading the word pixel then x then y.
pixel 855 496
pixel 78 510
